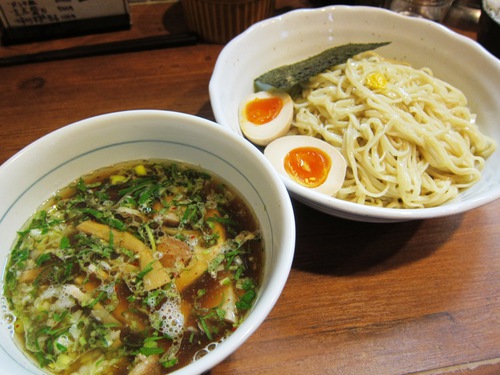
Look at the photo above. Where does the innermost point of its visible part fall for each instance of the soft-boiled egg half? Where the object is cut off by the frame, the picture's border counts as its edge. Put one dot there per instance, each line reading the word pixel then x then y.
pixel 309 161
pixel 265 116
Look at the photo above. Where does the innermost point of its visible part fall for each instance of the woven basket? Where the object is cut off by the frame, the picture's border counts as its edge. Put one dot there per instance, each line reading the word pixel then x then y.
pixel 219 21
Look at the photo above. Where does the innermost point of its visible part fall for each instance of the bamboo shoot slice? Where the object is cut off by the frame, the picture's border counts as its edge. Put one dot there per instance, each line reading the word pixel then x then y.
pixel 147 365
pixel 197 266
pixel 202 256
pixel 157 277
pixel 223 297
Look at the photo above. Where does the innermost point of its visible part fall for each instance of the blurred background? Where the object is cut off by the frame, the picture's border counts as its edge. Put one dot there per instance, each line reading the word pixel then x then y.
pixel 142 24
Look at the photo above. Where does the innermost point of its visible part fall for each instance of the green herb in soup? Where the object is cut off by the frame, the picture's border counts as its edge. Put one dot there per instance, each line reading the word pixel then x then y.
pixel 138 268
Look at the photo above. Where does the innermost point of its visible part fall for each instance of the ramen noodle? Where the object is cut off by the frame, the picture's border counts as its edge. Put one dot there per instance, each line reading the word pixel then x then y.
pixel 409 138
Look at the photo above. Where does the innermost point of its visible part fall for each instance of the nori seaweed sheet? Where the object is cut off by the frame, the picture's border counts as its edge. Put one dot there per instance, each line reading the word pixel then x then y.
pixel 287 76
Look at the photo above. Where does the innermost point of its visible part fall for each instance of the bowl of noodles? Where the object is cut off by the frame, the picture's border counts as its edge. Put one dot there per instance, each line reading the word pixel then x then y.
pixel 138 242
pixel 413 113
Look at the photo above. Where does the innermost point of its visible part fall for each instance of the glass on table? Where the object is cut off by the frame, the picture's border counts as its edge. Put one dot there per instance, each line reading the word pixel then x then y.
pixel 434 10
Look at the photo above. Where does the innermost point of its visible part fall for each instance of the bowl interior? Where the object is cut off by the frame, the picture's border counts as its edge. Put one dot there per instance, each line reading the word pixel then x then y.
pixel 55 160
pixel 303 33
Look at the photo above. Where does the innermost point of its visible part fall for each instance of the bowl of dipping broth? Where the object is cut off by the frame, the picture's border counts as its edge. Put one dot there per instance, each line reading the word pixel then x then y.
pixel 139 240
pixel 362 120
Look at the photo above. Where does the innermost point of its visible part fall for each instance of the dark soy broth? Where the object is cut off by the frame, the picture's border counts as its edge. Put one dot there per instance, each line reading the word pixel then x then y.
pixel 140 268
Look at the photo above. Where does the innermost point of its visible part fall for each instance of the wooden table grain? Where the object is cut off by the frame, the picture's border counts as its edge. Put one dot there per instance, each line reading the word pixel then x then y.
pixel 418 297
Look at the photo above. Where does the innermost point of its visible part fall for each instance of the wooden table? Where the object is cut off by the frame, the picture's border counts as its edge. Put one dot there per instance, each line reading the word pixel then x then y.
pixel 416 297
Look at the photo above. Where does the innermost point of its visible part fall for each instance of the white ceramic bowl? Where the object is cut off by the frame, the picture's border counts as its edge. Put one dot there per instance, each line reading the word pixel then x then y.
pixel 52 162
pixel 302 33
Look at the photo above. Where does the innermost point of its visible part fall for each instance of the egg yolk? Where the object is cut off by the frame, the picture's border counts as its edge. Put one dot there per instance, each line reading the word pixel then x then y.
pixel 376 81
pixel 309 166
pixel 261 111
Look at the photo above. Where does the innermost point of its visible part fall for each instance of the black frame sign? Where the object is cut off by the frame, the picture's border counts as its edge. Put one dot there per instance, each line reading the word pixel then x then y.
pixel 25 21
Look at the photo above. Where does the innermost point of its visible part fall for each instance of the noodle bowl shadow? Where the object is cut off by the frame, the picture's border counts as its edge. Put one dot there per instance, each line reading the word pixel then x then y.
pixel 299 34
pixel 51 163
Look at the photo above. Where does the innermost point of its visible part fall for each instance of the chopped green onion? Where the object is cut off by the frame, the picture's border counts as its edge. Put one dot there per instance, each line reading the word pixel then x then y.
pixel 151 237
pixel 64 244
pixel 61 347
pixel 245 302
pixel 169 363
pixel 102 294
pixel 145 271
pixel 205 327
pixel 42 259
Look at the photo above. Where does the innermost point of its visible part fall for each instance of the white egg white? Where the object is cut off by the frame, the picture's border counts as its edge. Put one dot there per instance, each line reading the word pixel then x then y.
pixel 263 134
pixel 277 150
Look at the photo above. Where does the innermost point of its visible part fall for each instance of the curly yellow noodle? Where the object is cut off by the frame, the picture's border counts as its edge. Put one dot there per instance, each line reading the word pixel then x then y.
pixel 410 143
